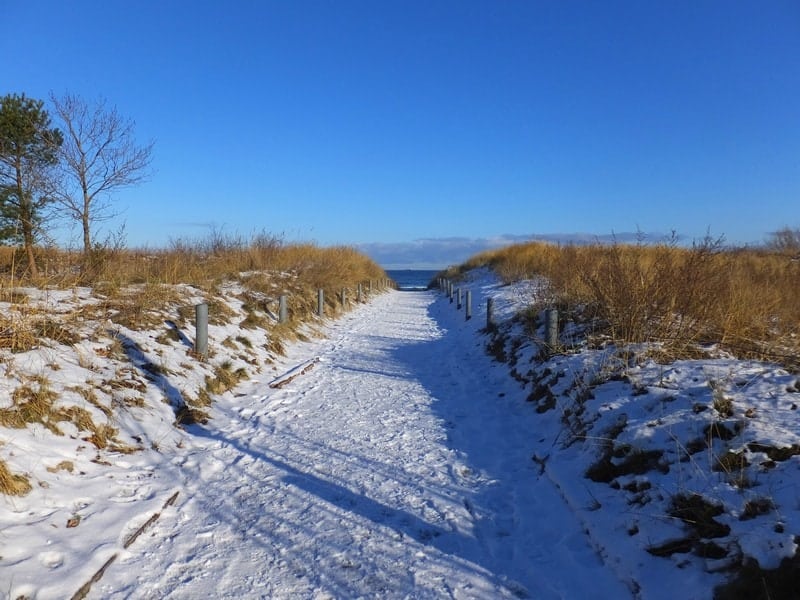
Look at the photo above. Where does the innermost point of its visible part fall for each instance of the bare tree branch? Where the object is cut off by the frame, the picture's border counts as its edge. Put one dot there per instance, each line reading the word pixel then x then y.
pixel 99 156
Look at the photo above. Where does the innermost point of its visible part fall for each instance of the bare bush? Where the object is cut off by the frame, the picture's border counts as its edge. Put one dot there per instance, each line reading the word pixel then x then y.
pixel 742 299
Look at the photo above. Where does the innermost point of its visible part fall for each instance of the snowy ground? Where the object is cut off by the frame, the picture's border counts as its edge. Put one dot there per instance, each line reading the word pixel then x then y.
pixel 392 458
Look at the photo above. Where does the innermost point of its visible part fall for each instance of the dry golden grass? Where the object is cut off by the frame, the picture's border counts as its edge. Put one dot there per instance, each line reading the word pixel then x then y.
pixel 64 465
pixel 23 325
pixel 136 284
pixel 34 402
pixel 744 300
pixel 198 262
pixel 12 484
pixel 136 306
pixel 225 378
pixel 17 332
pixel 137 287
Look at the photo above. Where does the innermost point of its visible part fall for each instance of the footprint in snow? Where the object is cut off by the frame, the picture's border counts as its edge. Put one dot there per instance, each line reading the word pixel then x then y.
pixel 51 560
pixel 80 503
pixel 131 494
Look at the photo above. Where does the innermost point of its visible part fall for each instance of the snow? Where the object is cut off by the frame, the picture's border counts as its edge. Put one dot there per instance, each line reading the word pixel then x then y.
pixel 388 457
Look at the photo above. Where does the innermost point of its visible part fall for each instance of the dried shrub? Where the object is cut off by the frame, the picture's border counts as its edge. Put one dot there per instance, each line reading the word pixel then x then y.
pixel 742 300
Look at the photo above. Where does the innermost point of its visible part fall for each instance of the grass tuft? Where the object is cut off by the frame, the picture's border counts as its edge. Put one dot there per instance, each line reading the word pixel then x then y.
pixel 12 484
pixel 225 378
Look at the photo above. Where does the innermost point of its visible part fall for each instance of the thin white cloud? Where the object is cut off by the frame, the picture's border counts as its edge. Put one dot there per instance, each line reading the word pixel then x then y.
pixel 438 253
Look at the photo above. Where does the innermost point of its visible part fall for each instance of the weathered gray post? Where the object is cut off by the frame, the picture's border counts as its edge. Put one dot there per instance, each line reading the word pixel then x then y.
pixel 360 294
pixel 551 329
pixel 489 313
pixel 201 330
pixel 344 298
pixel 469 305
pixel 450 290
pixel 458 299
pixel 282 311
pixel 320 302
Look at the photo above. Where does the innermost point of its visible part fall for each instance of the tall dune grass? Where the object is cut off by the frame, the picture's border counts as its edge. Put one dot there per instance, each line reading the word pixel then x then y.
pixel 201 262
pixel 743 300
pixel 134 284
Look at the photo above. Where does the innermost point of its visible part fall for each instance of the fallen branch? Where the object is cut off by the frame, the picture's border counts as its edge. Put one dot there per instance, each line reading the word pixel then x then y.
pixel 84 589
pixel 293 373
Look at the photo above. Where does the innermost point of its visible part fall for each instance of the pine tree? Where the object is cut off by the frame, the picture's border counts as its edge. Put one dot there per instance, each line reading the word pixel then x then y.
pixel 28 153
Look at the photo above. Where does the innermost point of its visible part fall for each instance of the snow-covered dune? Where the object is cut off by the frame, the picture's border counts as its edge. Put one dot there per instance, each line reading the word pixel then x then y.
pixel 393 458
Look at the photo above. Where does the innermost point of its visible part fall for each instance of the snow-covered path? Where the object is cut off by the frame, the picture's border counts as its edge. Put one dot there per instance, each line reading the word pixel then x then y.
pixel 399 466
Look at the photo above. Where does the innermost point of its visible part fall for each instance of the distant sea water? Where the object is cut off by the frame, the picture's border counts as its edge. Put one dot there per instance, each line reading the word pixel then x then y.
pixel 411 279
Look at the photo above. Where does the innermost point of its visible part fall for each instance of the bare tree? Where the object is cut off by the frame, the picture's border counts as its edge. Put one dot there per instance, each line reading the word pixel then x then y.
pixel 785 240
pixel 99 156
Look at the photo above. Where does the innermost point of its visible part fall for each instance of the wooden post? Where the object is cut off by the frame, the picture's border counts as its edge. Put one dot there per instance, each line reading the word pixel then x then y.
pixel 490 313
pixel 551 329
pixel 201 330
pixel 469 305
pixel 458 299
pixel 344 298
pixel 282 311
pixel 360 294
pixel 320 303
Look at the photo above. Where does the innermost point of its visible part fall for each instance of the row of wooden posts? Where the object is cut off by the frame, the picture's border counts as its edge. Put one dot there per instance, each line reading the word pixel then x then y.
pixel 464 298
pixel 460 298
pixel 362 292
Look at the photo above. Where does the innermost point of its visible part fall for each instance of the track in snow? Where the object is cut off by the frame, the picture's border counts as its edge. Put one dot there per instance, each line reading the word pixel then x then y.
pixel 399 466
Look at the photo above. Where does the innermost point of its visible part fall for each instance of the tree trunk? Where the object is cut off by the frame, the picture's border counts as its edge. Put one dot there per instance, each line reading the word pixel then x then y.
pixel 25 217
pixel 27 236
pixel 87 242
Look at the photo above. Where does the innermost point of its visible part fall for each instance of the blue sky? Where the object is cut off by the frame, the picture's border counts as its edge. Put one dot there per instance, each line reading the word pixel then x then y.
pixel 412 127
